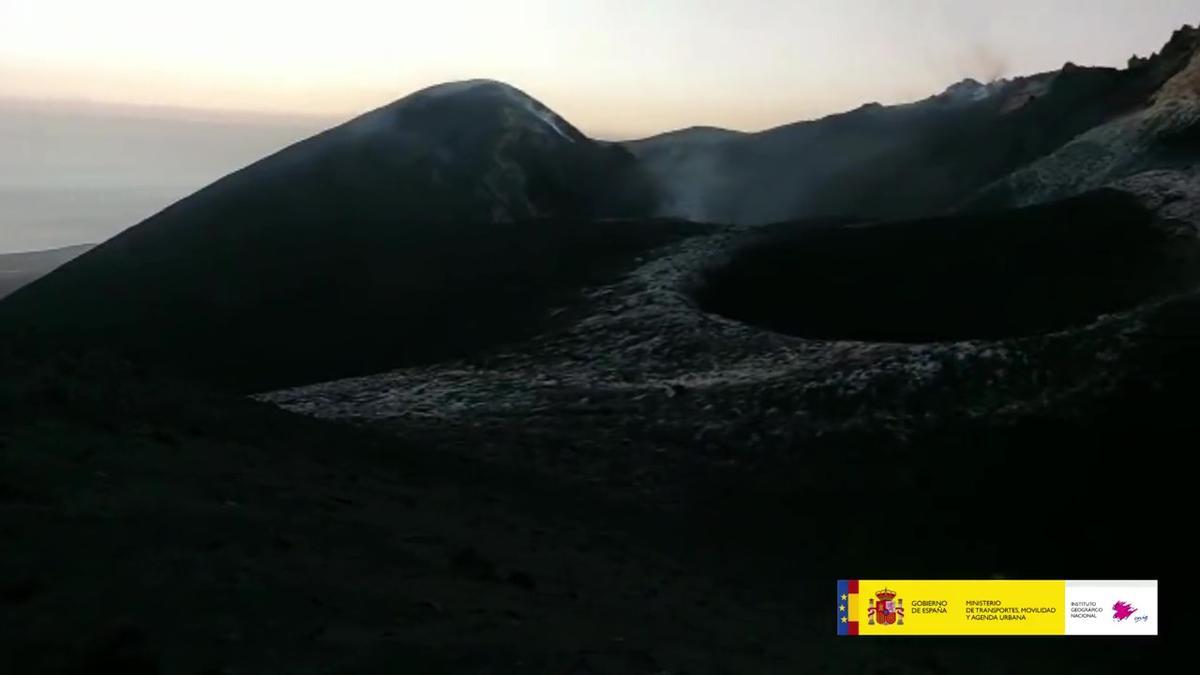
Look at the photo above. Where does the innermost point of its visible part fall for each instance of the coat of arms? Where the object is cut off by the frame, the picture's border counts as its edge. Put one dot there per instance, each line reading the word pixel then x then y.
pixel 887 609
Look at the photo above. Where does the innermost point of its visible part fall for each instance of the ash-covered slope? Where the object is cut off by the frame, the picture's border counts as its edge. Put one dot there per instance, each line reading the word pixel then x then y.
pixel 391 239
pixel 909 160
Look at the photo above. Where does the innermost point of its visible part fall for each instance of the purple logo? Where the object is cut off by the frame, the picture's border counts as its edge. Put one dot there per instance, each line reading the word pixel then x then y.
pixel 1123 610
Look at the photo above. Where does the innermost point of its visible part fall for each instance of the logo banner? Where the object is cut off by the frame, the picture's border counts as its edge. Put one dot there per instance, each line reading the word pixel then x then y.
pixel 872 607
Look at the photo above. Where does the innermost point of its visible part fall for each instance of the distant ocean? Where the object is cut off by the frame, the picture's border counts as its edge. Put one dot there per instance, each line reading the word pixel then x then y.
pixel 80 174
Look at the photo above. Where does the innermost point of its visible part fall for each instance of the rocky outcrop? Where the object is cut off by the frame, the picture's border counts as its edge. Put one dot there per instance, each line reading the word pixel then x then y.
pixel 1159 136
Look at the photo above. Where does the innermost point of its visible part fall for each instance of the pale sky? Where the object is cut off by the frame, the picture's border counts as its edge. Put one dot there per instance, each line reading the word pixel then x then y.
pixel 616 68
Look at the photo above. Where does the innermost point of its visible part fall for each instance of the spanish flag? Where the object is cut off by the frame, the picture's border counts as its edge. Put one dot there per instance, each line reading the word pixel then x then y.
pixel 847 604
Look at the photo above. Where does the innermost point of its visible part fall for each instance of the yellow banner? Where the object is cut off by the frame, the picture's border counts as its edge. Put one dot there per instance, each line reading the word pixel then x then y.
pixel 889 607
